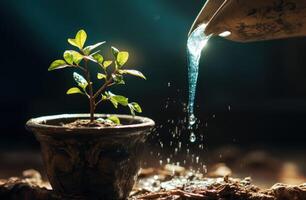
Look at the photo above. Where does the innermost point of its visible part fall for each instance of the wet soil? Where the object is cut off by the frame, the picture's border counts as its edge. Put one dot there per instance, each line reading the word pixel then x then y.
pixel 177 183
pixel 31 186
pixel 224 189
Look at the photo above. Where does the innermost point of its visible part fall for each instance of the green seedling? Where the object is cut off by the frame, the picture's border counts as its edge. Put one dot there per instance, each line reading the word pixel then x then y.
pixel 111 72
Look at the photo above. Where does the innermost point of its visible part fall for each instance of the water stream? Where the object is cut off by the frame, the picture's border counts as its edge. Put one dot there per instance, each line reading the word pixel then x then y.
pixel 195 44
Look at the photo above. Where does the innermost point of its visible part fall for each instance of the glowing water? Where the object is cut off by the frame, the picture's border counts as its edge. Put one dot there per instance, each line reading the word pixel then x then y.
pixel 196 42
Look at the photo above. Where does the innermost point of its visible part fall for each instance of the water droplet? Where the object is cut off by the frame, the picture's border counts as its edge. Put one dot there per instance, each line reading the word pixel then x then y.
pixel 190 173
pixel 169 84
pixel 192 120
pixel 229 108
pixel 161 162
pixel 180 145
pixel 196 126
pixel 197 159
pixel 173 170
pixel 168 160
pixel 175 151
pixel 204 169
pixel 192 137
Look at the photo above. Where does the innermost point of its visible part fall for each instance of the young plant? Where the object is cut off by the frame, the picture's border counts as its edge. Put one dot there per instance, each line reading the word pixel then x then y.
pixel 111 73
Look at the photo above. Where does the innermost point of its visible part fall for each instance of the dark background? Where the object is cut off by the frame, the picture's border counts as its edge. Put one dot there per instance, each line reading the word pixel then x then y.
pixel 263 82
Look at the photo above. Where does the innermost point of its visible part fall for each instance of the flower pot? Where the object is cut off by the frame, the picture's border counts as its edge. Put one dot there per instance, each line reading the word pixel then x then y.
pixel 91 162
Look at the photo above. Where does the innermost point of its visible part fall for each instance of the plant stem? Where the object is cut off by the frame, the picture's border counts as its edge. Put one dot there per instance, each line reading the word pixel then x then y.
pixel 104 86
pixel 91 95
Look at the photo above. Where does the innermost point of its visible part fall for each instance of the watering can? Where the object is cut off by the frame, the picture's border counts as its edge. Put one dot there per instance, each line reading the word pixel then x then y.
pixel 253 20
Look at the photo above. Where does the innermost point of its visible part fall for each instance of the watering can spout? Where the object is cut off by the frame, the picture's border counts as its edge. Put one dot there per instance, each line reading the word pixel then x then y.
pixel 253 20
pixel 206 13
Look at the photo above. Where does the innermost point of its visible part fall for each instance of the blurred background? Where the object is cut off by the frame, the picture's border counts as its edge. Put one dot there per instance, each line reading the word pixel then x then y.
pixel 263 83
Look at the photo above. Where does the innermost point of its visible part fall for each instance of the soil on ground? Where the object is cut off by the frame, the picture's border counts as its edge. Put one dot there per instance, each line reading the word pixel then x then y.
pixel 154 184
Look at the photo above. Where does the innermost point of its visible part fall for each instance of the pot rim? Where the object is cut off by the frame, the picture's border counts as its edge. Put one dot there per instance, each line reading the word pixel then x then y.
pixel 41 122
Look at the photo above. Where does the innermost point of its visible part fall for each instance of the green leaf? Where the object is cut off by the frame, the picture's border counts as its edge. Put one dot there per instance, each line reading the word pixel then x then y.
pixel 101 76
pixel 107 63
pixel 74 55
pixel 114 102
pixel 94 53
pixel 132 72
pixel 114 119
pixel 89 48
pixel 58 64
pixel 118 79
pixel 79 40
pixel 121 100
pixel 134 107
pixel 104 97
pixel 77 57
pixel 74 90
pixel 68 56
pixel 115 51
pixel 108 96
pixel 90 58
pixel 137 107
pixel 80 80
pixel 98 58
pixel 117 99
pixel 122 58
pixel 100 120
pixel 72 42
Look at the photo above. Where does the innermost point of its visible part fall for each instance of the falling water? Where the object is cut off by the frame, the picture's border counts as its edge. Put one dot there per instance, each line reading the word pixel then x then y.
pixel 196 42
pixel 182 153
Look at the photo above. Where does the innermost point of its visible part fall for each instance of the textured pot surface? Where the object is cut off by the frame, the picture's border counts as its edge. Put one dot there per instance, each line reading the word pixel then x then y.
pixel 97 163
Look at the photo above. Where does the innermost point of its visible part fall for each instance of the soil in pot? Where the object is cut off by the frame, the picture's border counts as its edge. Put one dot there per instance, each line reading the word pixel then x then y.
pixel 87 123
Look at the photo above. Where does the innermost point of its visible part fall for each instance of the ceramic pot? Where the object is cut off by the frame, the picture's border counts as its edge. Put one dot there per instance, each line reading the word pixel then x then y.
pixel 94 163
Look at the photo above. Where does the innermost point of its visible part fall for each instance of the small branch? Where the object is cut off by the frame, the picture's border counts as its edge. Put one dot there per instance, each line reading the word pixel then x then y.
pixel 78 66
pixel 98 102
pixel 104 86
pixel 87 94
pixel 82 68
pixel 91 95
